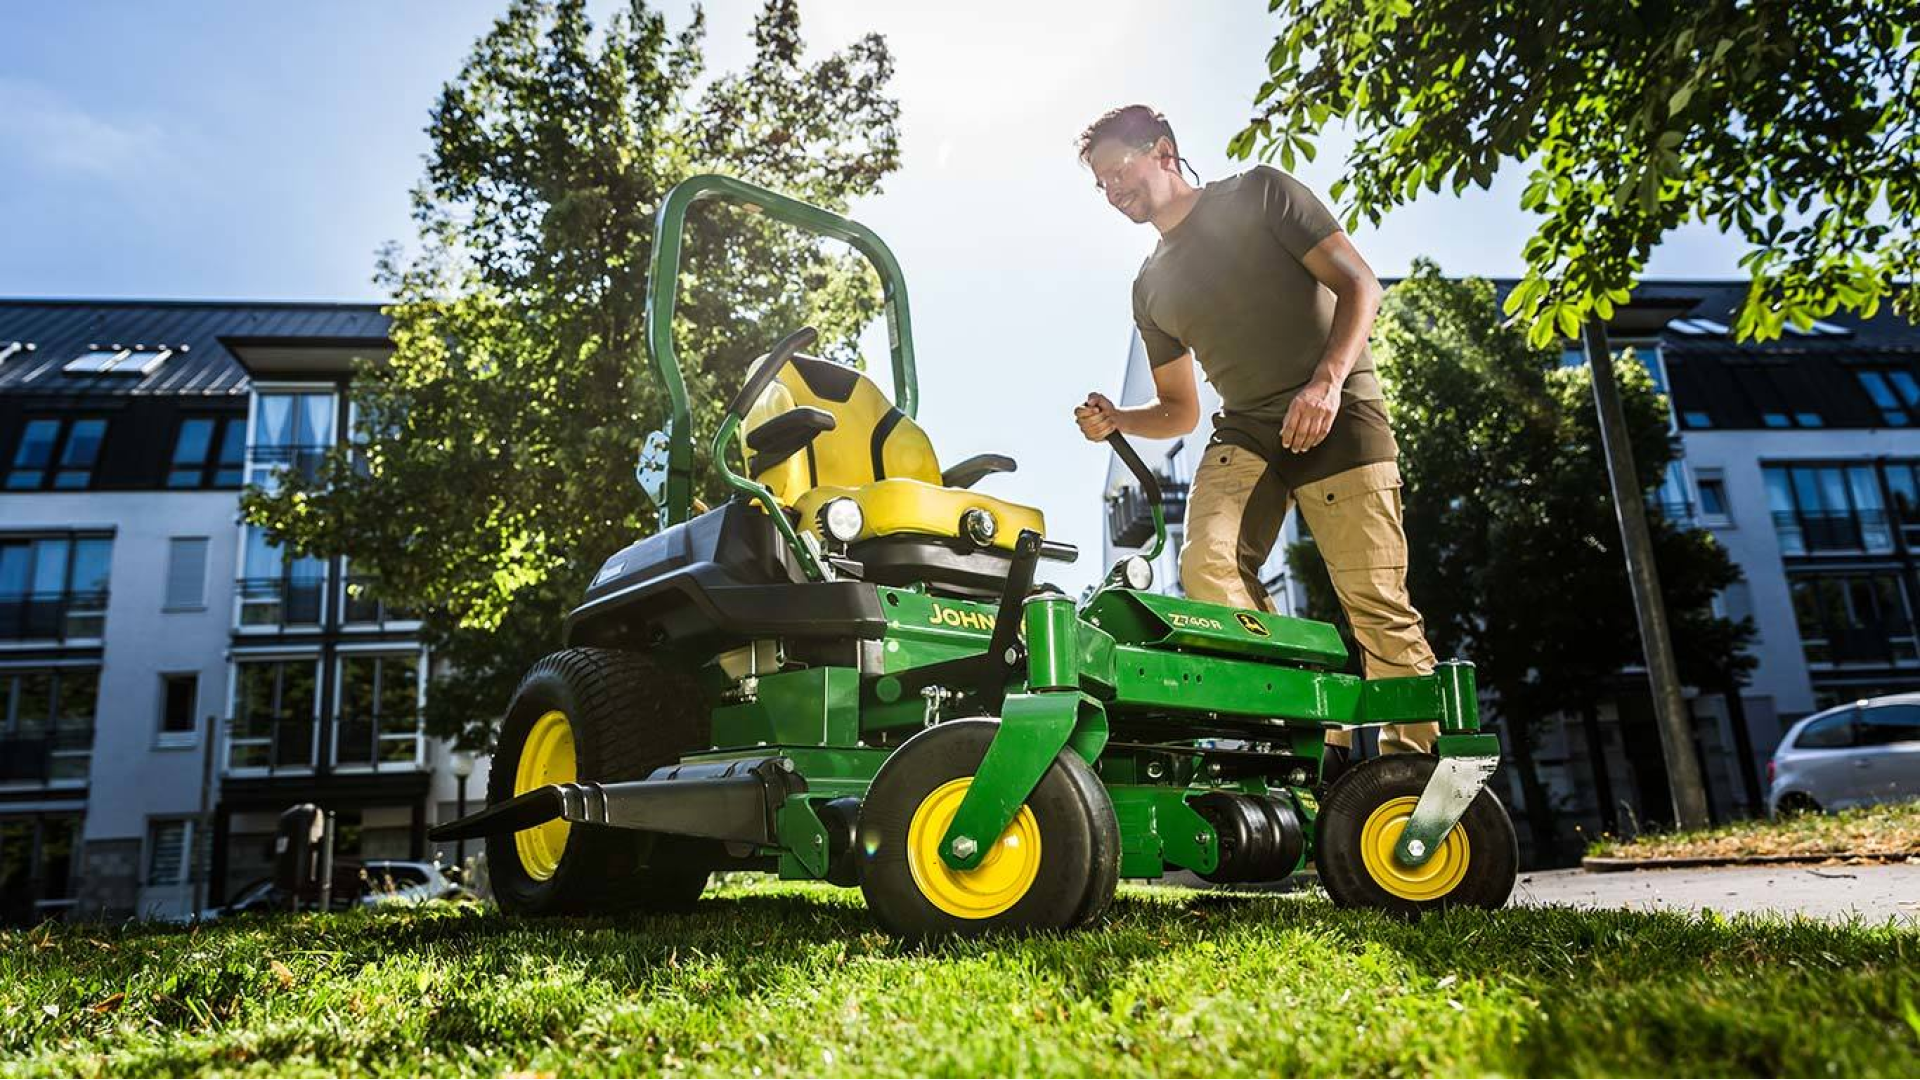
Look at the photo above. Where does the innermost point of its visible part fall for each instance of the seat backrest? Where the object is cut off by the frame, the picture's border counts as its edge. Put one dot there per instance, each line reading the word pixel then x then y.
pixel 871 440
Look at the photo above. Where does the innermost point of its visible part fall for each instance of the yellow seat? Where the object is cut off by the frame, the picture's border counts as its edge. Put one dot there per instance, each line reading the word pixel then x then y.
pixel 877 456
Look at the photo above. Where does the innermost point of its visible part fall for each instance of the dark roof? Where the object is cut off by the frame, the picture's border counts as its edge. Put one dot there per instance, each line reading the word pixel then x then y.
pixel 61 330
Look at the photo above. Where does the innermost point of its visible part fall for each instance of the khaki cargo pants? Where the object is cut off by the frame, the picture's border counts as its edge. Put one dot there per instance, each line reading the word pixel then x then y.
pixel 1234 514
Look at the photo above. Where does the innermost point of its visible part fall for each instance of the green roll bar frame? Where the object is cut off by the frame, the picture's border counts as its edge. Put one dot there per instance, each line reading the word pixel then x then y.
pixel 663 286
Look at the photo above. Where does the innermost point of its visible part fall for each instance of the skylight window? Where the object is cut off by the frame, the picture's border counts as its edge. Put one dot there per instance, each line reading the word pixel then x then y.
pixel 8 349
pixel 119 360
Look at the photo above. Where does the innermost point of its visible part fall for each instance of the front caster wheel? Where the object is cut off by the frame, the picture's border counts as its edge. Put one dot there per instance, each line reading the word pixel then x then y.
pixel 1361 820
pixel 1055 866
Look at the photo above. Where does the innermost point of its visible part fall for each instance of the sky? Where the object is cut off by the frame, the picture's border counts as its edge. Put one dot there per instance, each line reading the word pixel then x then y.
pixel 246 151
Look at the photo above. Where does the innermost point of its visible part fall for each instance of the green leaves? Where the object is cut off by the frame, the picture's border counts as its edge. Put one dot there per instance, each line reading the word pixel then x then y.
pixel 509 416
pixel 1754 118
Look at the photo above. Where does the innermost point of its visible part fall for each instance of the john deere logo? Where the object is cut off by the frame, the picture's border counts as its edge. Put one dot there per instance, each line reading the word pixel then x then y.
pixel 1251 625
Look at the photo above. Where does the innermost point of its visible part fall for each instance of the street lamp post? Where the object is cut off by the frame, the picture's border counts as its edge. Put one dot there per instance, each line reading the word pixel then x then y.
pixel 461 764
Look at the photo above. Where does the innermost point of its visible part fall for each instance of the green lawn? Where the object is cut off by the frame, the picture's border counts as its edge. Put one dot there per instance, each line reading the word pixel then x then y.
pixel 1888 831
pixel 789 980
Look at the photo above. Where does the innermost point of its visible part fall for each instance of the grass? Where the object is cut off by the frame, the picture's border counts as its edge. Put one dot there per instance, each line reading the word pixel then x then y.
pixel 1888 831
pixel 794 980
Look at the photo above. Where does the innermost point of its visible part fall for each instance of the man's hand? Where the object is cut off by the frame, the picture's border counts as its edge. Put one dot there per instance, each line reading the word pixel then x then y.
pixel 1310 416
pixel 1098 418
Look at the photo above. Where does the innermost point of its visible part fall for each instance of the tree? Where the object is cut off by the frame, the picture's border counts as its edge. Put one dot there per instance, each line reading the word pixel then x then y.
pixel 1513 552
pixel 1794 124
pixel 492 469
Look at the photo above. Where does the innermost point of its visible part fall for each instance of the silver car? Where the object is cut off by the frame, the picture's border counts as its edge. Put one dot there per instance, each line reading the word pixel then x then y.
pixel 1850 755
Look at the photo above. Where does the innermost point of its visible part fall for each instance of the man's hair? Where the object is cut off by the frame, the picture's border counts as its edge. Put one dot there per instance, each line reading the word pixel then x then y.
pixel 1135 125
pixel 1138 126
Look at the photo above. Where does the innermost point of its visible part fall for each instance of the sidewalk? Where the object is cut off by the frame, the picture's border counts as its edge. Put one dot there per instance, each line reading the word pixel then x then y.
pixel 1874 893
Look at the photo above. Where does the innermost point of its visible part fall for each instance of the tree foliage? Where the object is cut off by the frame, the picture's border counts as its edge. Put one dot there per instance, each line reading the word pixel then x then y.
pixel 1794 124
pixel 493 462
pixel 1514 549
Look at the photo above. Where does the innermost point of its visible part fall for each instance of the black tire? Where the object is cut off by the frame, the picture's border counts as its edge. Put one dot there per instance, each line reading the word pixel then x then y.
pixel 1795 803
pixel 1078 840
pixel 1486 871
pixel 629 713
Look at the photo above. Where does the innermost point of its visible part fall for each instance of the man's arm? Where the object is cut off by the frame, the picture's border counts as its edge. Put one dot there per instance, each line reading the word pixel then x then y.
pixel 1338 266
pixel 1174 410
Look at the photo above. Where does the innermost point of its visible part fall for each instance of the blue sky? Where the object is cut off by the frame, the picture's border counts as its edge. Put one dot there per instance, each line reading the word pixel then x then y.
pixel 264 151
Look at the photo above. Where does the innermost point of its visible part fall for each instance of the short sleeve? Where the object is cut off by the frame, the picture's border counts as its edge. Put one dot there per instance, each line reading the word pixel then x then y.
pixel 1294 214
pixel 1162 347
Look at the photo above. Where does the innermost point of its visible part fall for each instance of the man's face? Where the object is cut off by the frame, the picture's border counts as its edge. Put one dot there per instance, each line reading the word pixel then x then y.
pixel 1132 178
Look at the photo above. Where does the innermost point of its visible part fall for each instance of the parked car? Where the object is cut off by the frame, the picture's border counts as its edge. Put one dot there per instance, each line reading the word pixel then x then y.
pixel 1850 755
pixel 365 884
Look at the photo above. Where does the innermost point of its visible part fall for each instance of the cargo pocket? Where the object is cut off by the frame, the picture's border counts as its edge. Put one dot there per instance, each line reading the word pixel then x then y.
pixel 1355 517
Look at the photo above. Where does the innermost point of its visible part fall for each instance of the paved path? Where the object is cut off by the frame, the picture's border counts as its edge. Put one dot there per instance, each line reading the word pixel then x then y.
pixel 1876 893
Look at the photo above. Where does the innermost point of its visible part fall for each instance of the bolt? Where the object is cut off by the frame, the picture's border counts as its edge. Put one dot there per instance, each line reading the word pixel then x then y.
pixel 1203 839
pixel 964 847
pixel 1416 848
pixel 1297 777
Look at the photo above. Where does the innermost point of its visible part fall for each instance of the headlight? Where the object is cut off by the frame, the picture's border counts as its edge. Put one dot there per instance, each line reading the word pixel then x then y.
pixel 842 519
pixel 979 526
pixel 1136 572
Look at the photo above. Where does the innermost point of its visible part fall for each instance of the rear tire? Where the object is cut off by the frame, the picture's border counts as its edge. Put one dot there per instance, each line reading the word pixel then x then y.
pixel 1054 867
pixel 1361 820
pixel 595 715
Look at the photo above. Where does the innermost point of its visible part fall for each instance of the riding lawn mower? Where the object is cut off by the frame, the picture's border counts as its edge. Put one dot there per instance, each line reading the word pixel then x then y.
pixel 847 673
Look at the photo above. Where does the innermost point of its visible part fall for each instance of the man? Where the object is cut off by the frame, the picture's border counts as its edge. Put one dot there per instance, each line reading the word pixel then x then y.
pixel 1254 277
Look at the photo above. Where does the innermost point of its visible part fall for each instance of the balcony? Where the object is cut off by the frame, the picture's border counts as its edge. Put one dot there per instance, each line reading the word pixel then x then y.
pixel 279 746
pixel 280 601
pixel 1130 517
pixel 46 758
pixel 362 605
pixel 1801 534
pixel 302 459
pixel 378 745
pixel 53 616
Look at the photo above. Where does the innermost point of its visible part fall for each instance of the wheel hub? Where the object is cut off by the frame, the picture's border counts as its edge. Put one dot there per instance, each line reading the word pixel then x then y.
pixel 1432 879
pixel 546 757
pixel 1004 874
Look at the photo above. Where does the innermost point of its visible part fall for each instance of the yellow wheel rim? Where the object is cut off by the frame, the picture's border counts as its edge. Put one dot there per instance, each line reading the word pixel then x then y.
pixel 1439 876
pixel 545 758
pixel 1001 879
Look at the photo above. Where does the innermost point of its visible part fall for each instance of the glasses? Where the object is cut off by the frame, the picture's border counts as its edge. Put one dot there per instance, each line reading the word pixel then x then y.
pixel 1104 180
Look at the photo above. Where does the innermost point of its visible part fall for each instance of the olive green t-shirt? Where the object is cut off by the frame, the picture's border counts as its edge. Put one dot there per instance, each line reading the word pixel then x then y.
pixel 1229 282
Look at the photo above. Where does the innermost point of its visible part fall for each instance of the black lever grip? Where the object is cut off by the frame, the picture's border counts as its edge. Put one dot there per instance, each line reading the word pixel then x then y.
pixel 1149 483
pixel 762 378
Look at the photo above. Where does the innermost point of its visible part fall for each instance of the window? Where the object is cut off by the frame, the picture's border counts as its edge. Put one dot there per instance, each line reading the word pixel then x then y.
pixel 1903 480
pixel 279 589
pixel 169 852
pixel 1670 498
pixel 1713 501
pixel 179 696
pixel 56 452
pixel 46 724
pixel 186 573
pixel 36 866
pixel 1828 733
pixel 1894 392
pixel 1859 618
pixel 1820 508
pixel 208 452
pixel 53 587
pixel 291 430
pixel 379 711
pixel 274 713
pixel 1694 419
pixel 1779 395
pixel 1884 725
pixel 114 360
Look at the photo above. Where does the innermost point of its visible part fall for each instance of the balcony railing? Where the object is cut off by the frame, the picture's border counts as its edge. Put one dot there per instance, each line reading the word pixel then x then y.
pixel 272 744
pixel 1802 533
pixel 364 607
pixel 280 601
pixel 304 459
pixel 46 757
pixel 268 746
pixel 1130 518
pixel 1889 645
pixel 53 616
pixel 378 745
